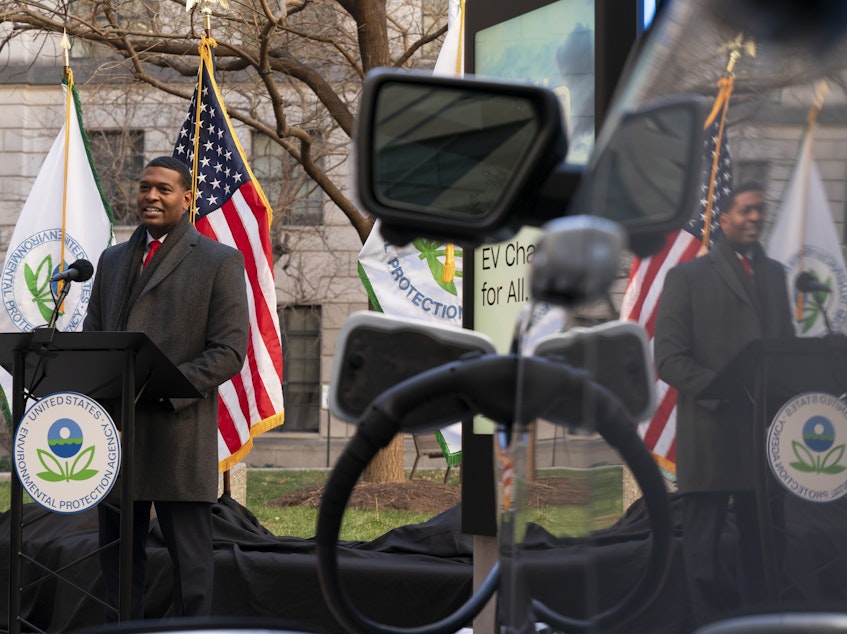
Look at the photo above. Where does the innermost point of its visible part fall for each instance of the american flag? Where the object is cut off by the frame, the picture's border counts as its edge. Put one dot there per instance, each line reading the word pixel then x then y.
pixel 232 209
pixel 647 275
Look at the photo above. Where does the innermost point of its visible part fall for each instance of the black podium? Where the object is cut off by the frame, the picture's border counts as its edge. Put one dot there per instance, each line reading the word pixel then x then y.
pixel 768 373
pixel 120 366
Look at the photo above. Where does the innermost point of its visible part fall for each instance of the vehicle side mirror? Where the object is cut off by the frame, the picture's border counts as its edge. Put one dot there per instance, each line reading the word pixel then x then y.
pixel 452 158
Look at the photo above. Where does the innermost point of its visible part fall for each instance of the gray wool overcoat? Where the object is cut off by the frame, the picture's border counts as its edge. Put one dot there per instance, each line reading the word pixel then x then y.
pixel 191 301
pixel 708 312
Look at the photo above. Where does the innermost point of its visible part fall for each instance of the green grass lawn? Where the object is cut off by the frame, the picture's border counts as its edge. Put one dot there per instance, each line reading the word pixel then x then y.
pixel 266 485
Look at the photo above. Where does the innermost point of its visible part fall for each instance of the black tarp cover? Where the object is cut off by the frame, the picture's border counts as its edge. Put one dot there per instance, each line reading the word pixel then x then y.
pixel 412 575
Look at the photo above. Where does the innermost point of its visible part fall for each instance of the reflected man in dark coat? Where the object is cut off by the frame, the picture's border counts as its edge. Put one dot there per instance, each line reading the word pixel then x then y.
pixel 710 309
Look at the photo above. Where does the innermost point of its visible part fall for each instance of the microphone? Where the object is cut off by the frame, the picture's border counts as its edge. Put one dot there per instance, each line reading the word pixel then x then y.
pixel 79 271
pixel 806 283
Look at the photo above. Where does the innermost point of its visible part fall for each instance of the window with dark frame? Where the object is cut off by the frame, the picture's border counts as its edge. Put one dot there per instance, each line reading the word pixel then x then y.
pixel 301 354
pixel 119 158
pixel 293 195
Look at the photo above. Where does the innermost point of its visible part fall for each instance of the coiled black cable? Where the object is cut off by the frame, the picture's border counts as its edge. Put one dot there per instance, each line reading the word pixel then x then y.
pixel 488 385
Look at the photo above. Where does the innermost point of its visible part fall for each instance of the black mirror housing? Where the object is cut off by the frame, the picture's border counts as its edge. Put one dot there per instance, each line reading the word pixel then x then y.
pixel 454 158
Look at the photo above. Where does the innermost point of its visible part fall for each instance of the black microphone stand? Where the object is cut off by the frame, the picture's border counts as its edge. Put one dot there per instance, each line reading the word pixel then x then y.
pixel 54 317
pixel 806 283
pixel 819 304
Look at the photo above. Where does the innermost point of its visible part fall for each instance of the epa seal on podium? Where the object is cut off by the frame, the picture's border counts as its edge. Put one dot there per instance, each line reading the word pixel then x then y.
pixel 805 447
pixel 67 453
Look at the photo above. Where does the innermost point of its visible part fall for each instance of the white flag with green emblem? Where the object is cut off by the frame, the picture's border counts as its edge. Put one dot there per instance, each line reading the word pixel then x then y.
pixel 422 279
pixel 65 218
pixel 409 281
pixel 805 240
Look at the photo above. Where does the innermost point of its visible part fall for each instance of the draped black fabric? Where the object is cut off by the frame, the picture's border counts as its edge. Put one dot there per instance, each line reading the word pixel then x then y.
pixel 412 575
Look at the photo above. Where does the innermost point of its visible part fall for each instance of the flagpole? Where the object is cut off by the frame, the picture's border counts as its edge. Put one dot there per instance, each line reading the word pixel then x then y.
pixel 809 140
pixel 207 42
pixel 69 77
pixel 205 50
pixel 726 84
pixel 448 273
pixel 192 213
pixel 721 105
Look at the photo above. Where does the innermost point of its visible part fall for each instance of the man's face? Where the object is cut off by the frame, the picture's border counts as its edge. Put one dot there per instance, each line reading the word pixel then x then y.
pixel 742 223
pixel 162 200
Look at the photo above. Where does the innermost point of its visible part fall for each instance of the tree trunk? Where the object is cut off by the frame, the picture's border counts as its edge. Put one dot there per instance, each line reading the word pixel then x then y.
pixel 387 465
pixel 532 438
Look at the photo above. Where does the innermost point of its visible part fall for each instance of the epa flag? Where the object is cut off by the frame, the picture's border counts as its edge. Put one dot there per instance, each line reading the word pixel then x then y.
pixel 647 275
pixel 230 207
pixel 805 240
pixel 65 218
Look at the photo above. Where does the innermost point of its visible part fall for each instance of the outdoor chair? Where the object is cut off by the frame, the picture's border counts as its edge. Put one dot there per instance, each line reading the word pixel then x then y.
pixel 427 445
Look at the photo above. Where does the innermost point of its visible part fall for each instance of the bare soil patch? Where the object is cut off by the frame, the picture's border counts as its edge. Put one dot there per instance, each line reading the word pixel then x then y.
pixel 425 496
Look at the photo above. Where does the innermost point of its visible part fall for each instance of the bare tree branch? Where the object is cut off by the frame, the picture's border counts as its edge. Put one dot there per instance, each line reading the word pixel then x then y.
pixel 318 48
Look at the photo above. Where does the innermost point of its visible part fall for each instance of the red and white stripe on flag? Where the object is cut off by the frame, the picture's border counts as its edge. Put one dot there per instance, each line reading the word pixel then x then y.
pixel 232 209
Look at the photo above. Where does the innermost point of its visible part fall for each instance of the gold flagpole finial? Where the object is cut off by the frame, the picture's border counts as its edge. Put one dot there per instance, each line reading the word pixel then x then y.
pixel 66 47
pixel 821 91
pixel 206 11
pixel 737 48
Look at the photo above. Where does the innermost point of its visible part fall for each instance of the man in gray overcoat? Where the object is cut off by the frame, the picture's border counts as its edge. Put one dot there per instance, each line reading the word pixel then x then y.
pixel 710 309
pixel 188 294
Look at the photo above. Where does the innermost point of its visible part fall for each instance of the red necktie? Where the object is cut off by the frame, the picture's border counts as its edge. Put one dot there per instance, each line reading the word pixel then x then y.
pixel 154 246
pixel 745 262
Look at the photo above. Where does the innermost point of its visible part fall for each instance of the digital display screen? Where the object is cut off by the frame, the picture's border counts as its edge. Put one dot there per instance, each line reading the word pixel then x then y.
pixel 551 46
pixel 646 12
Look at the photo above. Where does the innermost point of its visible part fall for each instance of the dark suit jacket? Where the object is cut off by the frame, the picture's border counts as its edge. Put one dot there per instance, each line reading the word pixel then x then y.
pixel 192 302
pixel 708 312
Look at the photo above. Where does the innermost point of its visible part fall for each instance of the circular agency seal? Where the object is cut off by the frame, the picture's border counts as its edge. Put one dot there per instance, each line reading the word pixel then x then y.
pixel 823 267
pixel 66 452
pixel 26 284
pixel 805 446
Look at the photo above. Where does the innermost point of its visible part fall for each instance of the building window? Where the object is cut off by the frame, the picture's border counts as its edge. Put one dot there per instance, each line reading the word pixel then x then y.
pixel 301 354
pixel 756 171
pixel 119 158
pixel 295 198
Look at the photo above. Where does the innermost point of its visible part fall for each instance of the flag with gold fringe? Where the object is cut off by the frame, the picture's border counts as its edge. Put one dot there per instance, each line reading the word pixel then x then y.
pixel 230 207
